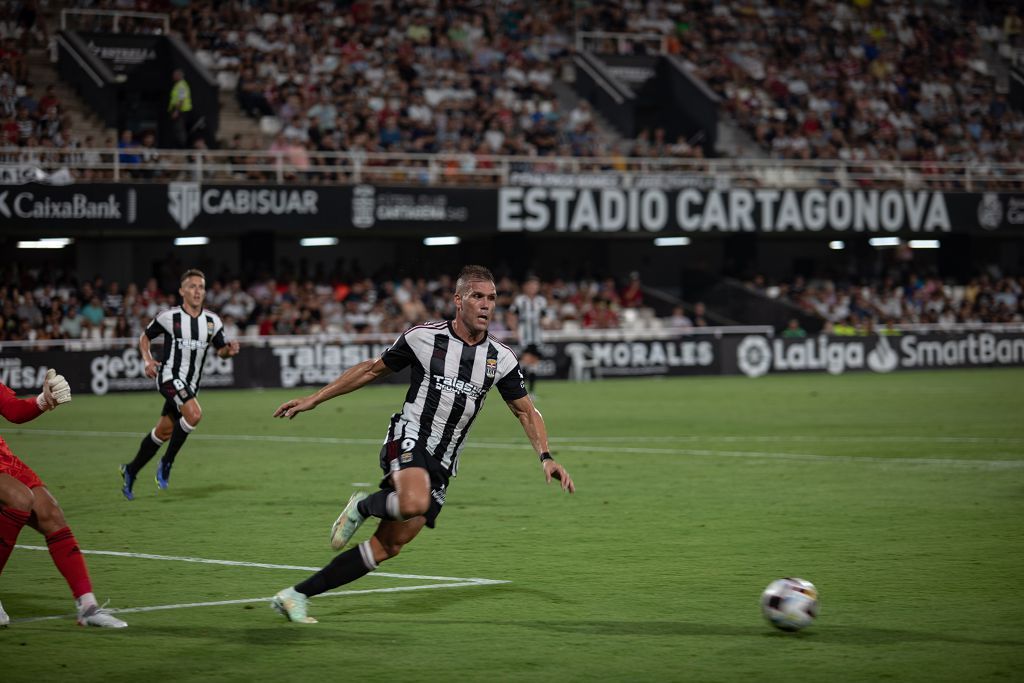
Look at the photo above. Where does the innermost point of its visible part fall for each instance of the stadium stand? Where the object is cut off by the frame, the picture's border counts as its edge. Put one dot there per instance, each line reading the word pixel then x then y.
pixel 863 306
pixel 854 81
pixel 35 308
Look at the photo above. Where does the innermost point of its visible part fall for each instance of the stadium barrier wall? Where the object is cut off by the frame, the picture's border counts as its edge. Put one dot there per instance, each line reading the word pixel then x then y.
pixel 314 363
pixel 587 212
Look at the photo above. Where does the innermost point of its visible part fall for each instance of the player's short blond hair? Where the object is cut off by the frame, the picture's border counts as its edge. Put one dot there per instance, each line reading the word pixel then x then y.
pixel 192 272
pixel 471 274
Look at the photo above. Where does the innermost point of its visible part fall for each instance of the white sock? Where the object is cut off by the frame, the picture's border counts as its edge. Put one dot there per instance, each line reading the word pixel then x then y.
pixel 391 504
pixel 85 601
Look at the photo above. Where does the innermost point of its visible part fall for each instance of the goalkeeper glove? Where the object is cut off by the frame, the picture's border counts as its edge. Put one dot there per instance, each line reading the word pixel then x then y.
pixel 56 390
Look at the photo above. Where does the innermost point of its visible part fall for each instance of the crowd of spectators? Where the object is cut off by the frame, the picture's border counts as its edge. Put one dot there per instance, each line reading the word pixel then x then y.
pixel 35 308
pixel 864 80
pixel 94 310
pixel 863 307
pixel 468 79
pixel 869 80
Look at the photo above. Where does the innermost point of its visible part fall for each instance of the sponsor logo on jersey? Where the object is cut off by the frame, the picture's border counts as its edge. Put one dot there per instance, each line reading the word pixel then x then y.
pixel 190 344
pixel 457 386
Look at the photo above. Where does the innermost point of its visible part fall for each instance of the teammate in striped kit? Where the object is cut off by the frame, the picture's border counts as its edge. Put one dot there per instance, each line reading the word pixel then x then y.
pixel 452 366
pixel 530 308
pixel 188 332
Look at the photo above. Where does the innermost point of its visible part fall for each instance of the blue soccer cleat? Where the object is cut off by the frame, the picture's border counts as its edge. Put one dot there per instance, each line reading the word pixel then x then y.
pixel 129 482
pixel 163 474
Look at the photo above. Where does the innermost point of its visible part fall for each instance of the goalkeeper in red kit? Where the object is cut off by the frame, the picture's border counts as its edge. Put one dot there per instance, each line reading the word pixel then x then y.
pixel 25 500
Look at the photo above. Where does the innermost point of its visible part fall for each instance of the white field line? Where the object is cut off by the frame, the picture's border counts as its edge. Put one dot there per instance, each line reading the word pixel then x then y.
pixel 242 601
pixel 865 438
pixel 587 447
pixel 261 565
pixel 444 582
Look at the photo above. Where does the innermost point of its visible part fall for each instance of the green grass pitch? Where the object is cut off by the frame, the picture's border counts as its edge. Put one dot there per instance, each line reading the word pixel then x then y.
pixel 901 497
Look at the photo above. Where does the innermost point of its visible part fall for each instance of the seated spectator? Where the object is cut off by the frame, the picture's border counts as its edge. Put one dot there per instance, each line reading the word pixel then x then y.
pixel 793 330
pixel 93 310
pixel 679 318
pixel 128 155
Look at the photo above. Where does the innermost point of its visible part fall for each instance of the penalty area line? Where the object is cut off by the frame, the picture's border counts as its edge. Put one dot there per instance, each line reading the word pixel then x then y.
pixel 442 582
pixel 244 601
pixel 261 565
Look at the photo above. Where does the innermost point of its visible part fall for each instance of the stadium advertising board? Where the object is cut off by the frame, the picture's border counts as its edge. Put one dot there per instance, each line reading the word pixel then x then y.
pixel 756 355
pixel 315 364
pixel 128 53
pixel 695 210
pixel 641 208
pixel 99 372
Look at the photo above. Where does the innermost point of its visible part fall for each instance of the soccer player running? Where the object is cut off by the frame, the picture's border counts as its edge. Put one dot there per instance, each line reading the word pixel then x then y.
pixel 453 365
pixel 24 499
pixel 530 308
pixel 188 332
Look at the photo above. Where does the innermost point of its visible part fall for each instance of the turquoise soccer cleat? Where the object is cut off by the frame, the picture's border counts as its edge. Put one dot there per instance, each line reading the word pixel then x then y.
pixel 292 604
pixel 348 521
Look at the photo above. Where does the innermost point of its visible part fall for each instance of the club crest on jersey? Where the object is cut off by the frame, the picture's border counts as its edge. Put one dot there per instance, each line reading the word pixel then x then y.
pixel 209 327
pixel 492 367
pixel 405 458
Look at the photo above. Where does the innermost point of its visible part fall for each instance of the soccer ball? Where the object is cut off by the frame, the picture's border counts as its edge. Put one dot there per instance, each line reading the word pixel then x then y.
pixel 790 604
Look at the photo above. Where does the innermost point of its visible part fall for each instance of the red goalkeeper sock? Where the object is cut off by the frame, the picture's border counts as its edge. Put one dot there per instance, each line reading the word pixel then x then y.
pixel 69 560
pixel 11 521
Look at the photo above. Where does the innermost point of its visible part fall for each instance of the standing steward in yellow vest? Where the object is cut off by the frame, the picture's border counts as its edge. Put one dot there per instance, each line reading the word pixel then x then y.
pixel 180 109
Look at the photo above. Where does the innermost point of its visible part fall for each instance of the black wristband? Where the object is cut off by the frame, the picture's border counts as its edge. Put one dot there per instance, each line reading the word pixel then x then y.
pixel 545 456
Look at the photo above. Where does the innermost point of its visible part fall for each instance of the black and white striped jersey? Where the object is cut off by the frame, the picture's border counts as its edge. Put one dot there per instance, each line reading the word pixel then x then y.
pixel 530 310
pixel 449 382
pixel 187 341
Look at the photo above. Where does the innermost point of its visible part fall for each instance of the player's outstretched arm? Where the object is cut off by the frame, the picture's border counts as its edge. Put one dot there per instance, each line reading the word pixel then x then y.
pixel 536 431
pixel 356 377
pixel 56 391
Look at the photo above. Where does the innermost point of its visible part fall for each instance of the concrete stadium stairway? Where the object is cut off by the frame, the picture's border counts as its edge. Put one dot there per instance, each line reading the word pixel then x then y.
pixel 234 121
pixel 84 121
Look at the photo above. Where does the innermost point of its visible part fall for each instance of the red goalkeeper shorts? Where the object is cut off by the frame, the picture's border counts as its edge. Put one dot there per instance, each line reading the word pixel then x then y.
pixel 12 465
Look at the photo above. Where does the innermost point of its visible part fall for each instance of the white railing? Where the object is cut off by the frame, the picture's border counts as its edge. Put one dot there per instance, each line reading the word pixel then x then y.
pixel 114 16
pixel 352 167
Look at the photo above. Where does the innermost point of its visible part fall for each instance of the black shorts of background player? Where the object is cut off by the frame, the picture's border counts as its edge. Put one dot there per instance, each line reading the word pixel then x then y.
pixel 453 364
pixel 188 333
